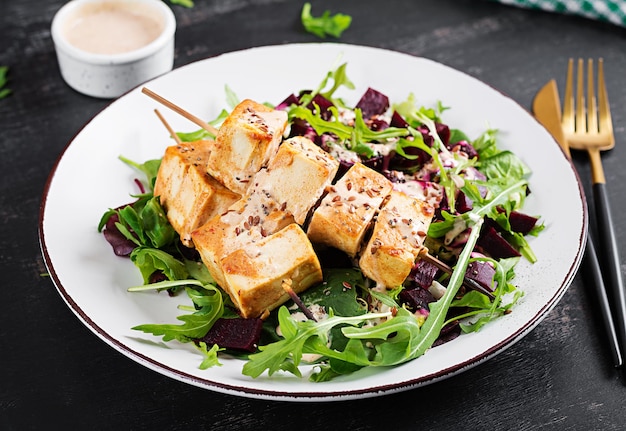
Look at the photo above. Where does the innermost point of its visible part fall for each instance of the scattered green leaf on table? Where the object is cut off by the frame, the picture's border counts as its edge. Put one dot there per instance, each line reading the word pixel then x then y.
pixel 325 25
pixel 4 92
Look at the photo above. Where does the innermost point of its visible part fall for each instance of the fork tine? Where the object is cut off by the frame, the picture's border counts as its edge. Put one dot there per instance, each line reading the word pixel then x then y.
pixel 592 114
pixel 605 122
pixel 581 120
pixel 567 120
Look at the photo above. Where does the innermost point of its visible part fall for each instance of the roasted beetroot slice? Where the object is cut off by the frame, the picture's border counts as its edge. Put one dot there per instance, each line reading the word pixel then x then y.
pixel 448 333
pixel 290 100
pixel 235 334
pixel 481 272
pixel 493 244
pixel 376 124
pixel 522 223
pixel 463 203
pixel 300 127
pixel 373 103
pixel 444 132
pixel 465 147
pixel 423 274
pixel 398 121
pixel 417 298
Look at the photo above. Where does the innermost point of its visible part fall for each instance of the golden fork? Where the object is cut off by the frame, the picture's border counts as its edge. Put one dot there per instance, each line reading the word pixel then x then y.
pixel 588 126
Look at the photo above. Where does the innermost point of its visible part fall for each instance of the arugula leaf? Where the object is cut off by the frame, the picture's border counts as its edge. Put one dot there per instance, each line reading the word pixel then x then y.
pixel 299 338
pixel 196 325
pixel 231 98
pixel 354 137
pixel 185 3
pixel 327 24
pixel 210 355
pixel 340 79
pixel 195 135
pixel 483 310
pixel 4 92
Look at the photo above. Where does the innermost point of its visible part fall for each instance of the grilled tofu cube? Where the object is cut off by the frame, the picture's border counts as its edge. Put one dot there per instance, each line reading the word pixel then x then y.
pixel 189 195
pixel 297 176
pixel 255 274
pixel 347 210
pixel 397 238
pixel 246 141
pixel 245 222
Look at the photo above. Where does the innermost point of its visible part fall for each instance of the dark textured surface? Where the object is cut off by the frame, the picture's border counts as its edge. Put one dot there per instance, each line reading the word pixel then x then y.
pixel 56 374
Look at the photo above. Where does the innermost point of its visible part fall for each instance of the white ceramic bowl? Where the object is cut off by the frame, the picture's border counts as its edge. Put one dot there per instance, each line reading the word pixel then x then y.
pixel 111 75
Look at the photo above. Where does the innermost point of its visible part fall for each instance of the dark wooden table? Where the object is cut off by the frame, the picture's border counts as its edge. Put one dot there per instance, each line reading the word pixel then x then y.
pixel 56 374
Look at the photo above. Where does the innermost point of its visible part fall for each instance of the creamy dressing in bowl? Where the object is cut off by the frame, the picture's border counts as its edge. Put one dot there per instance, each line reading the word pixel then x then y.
pixel 107 47
pixel 113 27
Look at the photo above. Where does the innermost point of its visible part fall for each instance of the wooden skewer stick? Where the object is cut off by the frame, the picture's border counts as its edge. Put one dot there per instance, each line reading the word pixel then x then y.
pixel 294 296
pixel 467 282
pixel 168 127
pixel 206 126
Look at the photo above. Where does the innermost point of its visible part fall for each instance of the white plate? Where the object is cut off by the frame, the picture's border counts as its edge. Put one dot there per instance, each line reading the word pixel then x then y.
pixel 88 179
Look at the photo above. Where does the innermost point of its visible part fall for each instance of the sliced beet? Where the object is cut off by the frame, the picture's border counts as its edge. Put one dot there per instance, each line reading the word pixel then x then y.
pixel 465 147
pixel 444 133
pixel 448 333
pixel 481 272
pixel 373 103
pixel 324 106
pixel 300 127
pixel 463 204
pixel 290 100
pixel 377 124
pixel 423 274
pixel 522 223
pixel 401 163
pixel 375 163
pixel 398 121
pixel 493 244
pixel 235 334
pixel 416 299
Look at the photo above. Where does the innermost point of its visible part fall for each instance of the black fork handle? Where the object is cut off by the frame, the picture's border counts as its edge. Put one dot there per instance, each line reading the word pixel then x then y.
pixel 594 273
pixel 611 261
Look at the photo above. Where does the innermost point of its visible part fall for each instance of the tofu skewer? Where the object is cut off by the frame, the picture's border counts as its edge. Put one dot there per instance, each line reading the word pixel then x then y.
pixel 253 267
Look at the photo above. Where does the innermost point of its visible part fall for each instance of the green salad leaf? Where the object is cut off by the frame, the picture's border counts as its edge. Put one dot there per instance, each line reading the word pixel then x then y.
pixel 210 307
pixel 184 3
pixel 4 91
pixel 326 24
